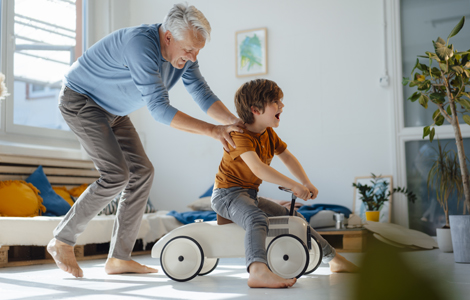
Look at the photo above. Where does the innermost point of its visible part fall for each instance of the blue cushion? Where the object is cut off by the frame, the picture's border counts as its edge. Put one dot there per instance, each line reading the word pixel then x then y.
pixel 55 204
pixel 189 216
pixel 208 193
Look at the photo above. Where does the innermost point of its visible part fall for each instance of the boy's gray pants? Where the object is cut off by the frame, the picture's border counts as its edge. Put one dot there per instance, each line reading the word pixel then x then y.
pixel 243 207
pixel 115 148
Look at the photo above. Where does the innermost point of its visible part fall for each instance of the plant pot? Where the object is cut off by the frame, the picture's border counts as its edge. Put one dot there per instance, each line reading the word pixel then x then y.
pixel 460 230
pixel 372 216
pixel 444 239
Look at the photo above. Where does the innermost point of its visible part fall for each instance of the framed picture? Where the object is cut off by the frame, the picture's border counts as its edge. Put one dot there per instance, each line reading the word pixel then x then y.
pixel 359 208
pixel 251 52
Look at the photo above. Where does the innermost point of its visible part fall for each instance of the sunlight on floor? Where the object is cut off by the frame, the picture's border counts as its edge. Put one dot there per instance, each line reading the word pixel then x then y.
pixel 323 271
pixel 227 282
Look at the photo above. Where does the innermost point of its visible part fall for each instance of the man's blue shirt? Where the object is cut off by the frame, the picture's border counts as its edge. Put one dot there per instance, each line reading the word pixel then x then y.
pixel 126 70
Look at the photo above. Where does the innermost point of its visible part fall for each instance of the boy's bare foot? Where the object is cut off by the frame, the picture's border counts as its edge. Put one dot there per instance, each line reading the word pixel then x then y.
pixel 339 264
pixel 262 277
pixel 64 257
pixel 119 266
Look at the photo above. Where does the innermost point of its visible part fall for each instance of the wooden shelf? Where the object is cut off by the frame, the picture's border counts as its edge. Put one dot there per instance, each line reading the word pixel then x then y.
pixel 346 240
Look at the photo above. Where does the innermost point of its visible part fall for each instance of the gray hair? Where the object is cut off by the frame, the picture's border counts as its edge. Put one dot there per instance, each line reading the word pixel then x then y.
pixel 182 18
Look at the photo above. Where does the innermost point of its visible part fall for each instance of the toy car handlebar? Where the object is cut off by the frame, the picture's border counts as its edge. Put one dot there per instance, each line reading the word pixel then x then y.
pixel 294 197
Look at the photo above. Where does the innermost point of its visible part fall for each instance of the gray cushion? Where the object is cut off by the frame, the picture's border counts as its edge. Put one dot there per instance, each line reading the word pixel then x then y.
pixel 323 218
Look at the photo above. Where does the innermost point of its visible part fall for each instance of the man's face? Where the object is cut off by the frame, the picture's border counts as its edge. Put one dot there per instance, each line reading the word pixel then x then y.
pixel 179 52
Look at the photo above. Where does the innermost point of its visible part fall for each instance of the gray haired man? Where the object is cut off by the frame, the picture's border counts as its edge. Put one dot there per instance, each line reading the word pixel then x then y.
pixel 128 69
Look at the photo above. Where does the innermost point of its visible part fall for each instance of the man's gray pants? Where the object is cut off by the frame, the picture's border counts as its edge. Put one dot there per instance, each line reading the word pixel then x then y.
pixel 243 207
pixel 115 148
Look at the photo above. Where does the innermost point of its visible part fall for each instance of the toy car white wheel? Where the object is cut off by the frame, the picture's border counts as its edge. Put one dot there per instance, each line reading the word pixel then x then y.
pixel 209 265
pixel 182 258
pixel 315 254
pixel 288 256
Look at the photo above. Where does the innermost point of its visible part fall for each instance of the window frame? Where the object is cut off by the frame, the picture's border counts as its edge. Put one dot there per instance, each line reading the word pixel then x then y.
pixel 8 130
pixel 403 134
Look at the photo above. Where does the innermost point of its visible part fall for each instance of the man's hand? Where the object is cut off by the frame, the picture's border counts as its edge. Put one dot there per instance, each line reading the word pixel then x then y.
pixel 221 114
pixel 222 133
pixel 182 121
pixel 238 122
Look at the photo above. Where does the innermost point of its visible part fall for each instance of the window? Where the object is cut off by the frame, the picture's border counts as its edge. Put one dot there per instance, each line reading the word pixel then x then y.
pixel 43 38
pixel 421 23
pixel 426 214
pixel 418 23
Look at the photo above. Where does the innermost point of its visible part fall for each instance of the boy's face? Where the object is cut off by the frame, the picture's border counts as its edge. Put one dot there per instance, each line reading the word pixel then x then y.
pixel 271 115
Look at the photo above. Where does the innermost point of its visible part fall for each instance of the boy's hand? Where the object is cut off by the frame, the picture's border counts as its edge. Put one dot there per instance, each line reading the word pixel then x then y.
pixel 312 189
pixel 301 192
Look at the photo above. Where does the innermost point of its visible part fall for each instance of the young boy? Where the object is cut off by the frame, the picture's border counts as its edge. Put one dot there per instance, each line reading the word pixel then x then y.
pixel 259 105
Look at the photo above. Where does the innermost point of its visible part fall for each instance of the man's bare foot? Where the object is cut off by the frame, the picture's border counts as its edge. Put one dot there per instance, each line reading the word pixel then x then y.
pixel 119 266
pixel 339 264
pixel 262 277
pixel 64 257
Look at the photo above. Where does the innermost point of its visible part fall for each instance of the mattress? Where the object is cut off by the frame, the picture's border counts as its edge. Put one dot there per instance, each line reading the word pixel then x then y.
pixel 323 218
pixel 37 231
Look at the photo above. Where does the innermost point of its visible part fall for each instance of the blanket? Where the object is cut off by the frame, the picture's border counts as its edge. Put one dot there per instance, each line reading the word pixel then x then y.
pixel 190 216
pixel 307 211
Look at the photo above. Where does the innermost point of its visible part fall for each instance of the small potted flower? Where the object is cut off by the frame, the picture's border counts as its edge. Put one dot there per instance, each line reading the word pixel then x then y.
pixel 376 194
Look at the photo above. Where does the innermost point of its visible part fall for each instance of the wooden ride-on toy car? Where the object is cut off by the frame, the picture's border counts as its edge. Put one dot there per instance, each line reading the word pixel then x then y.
pixel 195 249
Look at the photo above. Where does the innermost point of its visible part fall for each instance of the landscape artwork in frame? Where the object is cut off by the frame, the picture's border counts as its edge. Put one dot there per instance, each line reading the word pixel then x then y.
pixel 251 52
pixel 359 208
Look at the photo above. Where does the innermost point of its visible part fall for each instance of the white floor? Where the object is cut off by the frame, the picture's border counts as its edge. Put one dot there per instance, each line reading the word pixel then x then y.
pixel 227 281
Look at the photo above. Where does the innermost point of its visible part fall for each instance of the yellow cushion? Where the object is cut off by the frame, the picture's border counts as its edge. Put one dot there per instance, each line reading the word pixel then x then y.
pixel 64 193
pixel 20 199
pixel 77 191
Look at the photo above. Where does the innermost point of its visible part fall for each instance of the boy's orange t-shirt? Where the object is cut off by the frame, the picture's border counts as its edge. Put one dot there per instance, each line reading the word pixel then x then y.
pixel 233 171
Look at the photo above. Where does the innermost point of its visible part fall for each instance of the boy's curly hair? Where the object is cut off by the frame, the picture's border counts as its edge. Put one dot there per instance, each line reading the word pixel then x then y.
pixel 255 93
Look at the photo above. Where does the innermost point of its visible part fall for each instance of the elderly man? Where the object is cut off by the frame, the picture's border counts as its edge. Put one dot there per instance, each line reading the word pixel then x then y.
pixel 124 71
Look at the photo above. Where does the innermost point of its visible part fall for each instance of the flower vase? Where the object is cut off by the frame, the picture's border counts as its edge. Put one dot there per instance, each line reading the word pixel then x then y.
pixel 444 239
pixel 372 216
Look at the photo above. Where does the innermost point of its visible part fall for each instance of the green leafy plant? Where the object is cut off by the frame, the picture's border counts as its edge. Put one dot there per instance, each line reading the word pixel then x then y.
pixel 375 195
pixel 445 177
pixel 444 85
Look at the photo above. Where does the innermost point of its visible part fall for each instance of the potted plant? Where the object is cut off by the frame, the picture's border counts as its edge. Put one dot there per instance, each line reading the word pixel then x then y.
pixel 445 84
pixel 375 195
pixel 445 178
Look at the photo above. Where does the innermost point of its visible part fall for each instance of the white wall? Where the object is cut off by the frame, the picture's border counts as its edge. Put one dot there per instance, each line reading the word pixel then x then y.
pixel 327 56
pixel 106 16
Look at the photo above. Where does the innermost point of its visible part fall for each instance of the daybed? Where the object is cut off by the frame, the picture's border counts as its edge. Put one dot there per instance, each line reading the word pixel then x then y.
pixel 23 239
